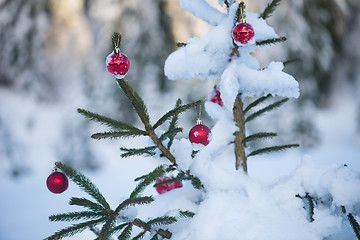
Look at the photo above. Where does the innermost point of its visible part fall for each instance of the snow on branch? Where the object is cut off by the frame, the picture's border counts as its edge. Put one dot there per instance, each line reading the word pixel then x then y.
pixel 202 10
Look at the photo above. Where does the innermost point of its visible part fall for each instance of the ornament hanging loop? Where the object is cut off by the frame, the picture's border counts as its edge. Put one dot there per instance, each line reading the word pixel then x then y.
pixel 116 39
pixel 242 12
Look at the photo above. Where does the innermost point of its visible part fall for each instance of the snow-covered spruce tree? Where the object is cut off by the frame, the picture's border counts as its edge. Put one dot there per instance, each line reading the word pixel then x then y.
pixel 222 201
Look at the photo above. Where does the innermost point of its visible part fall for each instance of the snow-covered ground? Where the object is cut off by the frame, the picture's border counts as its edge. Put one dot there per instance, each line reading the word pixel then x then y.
pixel 26 203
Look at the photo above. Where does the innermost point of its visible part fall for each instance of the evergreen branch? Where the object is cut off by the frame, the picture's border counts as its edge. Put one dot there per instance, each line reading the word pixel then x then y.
pixel 270 9
pixel 113 135
pixel 116 40
pixel 74 216
pixel 84 183
pixel 132 202
pixel 142 224
pixel 74 229
pixel 237 16
pixel 272 149
pixel 83 202
pixel 136 101
pixel 164 220
pixel 126 233
pixel 147 180
pixel 178 178
pixel 181 44
pixel 266 109
pixel 173 124
pixel 107 227
pixel 256 102
pixel 195 181
pixel 355 225
pixel 140 235
pixel 171 133
pixel 147 175
pixel 186 214
pixel 260 135
pixel 271 41
pixel 311 207
pixel 137 151
pixel 107 121
pixel 176 110
pixel 164 233
pixel 291 61
pixel 155 237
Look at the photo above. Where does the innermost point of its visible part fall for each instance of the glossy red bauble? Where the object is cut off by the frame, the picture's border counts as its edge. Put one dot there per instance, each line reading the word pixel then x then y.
pixel 57 182
pixel 214 96
pixel 117 64
pixel 243 33
pixel 166 187
pixel 200 136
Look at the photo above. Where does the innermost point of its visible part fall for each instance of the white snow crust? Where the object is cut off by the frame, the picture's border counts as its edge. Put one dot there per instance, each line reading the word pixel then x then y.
pixel 202 10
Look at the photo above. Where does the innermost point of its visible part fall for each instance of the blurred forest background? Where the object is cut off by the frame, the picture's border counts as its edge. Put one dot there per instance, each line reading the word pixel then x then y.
pixel 52 61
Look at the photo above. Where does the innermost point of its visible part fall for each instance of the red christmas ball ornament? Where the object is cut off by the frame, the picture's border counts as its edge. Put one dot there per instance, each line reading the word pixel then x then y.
pixel 166 187
pixel 117 64
pixel 243 33
pixel 200 135
pixel 214 96
pixel 57 182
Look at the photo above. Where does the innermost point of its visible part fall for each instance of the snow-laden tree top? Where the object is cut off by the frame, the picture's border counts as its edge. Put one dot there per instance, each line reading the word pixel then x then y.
pixel 211 57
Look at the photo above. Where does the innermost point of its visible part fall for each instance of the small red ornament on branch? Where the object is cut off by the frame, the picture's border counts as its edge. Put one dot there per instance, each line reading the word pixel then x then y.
pixel 57 182
pixel 243 33
pixel 166 187
pixel 214 96
pixel 200 135
pixel 117 63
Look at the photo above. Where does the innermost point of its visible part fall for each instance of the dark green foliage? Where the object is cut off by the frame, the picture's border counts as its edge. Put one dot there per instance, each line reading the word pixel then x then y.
pixel 147 179
pixel 74 229
pixel 256 102
pixel 73 216
pixel 266 109
pixel 113 135
pixel 311 207
pixel 173 125
pixel 176 110
pixel 137 151
pixel 186 214
pixel 196 183
pixel 271 41
pixel 140 235
pixel 164 220
pixel 171 133
pixel 270 9
pixel 272 149
pixel 355 225
pixel 107 121
pixel 136 101
pixel 258 136
pixel 181 44
pixel 126 232
pixel 84 183
pixel 83 202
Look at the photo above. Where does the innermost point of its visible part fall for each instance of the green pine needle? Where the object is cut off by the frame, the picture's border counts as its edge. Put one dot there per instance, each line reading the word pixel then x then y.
pixel 134 201
pixel 74 216
pixel 155 237
pixel 147 180
pixel 126 233
pixel 164 233
pixel 171 133
pixel 114 135
pixel 116 40
pixel 196 183
pixel 74 229
pixel 83 202
pixel 258 136
pixel 270 9
pixel 136 101
pixel 186 214
pixel 355 225
pixel 164 220
pixel 137 151
pixel 176 110
pixel 107 121
pixel 311 207
pixel 173 124
pixel 84 183
pixel 141 235
pixel 272 149
pixel 256 102
pixel 271 41
pixel 139 223
pixel 266 109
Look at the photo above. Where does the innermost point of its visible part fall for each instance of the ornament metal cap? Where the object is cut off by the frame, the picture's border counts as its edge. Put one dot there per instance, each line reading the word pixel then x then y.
pixel 198 122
